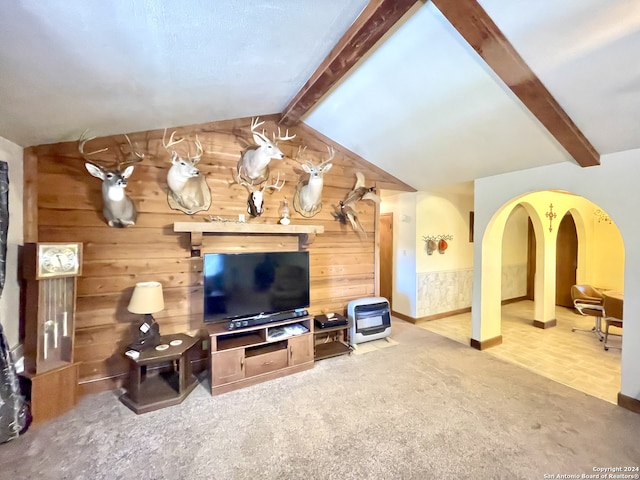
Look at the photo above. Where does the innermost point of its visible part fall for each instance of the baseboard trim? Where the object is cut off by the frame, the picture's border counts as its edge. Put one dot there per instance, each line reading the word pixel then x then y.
pixel 428 318
pixel 547 324
pixel 629 403
pixel 484 344
pixel 514 300
pixel 103 384
pixel 402 316
pixel 450 313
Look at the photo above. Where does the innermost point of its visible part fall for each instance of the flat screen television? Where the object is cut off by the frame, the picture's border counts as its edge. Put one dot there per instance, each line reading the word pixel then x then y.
pixel 246 285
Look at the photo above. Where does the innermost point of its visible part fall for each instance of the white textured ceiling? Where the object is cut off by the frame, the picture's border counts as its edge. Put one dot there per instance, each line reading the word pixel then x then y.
pixel 120 66
pixel 422 105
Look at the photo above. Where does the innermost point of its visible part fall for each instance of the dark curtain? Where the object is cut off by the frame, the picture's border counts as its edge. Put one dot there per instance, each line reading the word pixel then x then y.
pixel 14 413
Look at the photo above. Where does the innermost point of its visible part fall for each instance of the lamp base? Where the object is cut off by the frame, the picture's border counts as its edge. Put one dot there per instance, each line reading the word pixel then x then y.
pixel 148 335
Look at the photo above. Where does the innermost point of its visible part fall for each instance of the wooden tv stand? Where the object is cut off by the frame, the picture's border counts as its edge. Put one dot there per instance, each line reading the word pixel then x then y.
pixel 246 356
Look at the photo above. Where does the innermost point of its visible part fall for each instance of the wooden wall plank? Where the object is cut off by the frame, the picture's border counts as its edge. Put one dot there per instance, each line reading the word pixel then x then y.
pixel 30 196
pixel 69 209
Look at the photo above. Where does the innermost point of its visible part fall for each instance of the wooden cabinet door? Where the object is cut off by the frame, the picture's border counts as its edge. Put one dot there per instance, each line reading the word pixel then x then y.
pixel 300 349
pixel 227 366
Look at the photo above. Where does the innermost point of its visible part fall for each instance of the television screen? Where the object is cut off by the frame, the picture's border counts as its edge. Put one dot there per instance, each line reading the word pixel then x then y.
pixel 238 285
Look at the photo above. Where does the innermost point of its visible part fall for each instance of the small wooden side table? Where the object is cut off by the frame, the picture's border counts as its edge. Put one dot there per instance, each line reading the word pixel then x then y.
pixel 161 378
pixel 334 344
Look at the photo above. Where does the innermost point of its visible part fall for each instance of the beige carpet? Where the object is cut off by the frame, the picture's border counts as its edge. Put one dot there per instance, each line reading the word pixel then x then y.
pixel 425 407
pixel 373 345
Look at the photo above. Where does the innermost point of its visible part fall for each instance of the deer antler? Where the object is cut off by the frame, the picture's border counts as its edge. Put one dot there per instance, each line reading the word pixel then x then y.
pixel 299 154
pixel 332 153
pixel 255 123
pixel 301 151
pixel 172 141
pixel 279 137
pixel 82 142
pixel 102 164
pixel 241 181
pixel 199 151
pixel 133 151
pixel 273 186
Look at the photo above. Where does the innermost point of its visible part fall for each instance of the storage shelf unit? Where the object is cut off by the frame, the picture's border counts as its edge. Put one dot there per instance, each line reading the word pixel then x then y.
pixel 334 346
pixel 246 356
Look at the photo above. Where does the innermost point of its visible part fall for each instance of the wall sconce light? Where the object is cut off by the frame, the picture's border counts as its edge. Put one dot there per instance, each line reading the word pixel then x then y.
pixel 146 299
pixel 284 212
pixel 602 217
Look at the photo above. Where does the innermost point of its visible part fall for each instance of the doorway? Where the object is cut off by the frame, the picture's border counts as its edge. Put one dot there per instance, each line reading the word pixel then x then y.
pixel 531 260
pixel 566 260
pixel 386 256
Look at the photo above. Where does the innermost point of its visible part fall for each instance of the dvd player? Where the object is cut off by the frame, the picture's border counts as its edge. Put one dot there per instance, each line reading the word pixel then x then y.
pixel 330 320
pixel 262 319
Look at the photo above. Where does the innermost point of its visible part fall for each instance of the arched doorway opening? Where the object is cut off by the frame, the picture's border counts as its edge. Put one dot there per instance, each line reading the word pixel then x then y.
pixel 597 257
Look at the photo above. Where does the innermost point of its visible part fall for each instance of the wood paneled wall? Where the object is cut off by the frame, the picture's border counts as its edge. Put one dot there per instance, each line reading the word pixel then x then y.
pixel 343 265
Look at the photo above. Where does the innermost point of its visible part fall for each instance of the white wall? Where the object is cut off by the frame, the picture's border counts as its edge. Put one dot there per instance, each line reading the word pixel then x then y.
pixel 444 280
pixel 429 284
pixel 614 187
pixel 609 250
pixel 403 207
pixel 444 214
pixel 10 300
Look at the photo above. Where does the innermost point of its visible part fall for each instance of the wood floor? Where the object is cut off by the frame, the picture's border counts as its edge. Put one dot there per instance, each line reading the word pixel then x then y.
pixel 576 359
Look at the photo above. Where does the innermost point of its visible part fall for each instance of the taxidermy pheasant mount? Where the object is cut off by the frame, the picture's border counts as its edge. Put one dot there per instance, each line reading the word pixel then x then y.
pixel 345 210
pixel 360 192
pixel 343 213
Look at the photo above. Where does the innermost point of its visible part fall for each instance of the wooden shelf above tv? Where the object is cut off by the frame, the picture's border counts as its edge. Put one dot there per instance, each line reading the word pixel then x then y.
pixel 306 233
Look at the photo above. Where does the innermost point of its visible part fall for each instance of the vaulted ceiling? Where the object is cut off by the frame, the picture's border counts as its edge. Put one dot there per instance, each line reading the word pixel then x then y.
pixel 437 93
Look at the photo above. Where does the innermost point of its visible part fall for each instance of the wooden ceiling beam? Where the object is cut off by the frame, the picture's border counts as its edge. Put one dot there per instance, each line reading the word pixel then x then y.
pixel 370 26
pixel 477 28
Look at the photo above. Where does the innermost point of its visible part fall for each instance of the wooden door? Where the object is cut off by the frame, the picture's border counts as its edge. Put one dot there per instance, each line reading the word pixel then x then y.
pixel 566 260
pixel 386 256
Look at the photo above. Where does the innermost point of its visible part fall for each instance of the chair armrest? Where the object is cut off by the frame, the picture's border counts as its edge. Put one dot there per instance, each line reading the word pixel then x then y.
pixel 593 306
pixel 589 300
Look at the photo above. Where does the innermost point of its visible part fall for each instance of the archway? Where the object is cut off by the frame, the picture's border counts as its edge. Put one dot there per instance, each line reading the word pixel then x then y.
pixel 604 270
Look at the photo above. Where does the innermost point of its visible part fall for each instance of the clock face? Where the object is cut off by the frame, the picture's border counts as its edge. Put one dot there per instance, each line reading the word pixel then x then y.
pixel 57 260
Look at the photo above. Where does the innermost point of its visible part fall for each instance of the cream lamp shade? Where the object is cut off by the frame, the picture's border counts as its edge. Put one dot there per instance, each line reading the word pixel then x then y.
pixel 146 298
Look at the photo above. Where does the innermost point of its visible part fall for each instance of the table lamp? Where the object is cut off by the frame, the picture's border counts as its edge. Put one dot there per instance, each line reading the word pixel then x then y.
pixel 146 299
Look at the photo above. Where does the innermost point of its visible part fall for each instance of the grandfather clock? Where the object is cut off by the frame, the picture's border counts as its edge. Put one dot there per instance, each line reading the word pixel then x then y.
pixel 50 272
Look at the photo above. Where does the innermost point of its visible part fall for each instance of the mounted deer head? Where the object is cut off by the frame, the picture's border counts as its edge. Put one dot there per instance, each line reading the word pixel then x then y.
pixel 307 198
pixel 254 162
pixel 255 202
pixel 118 209
pixel 188 190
